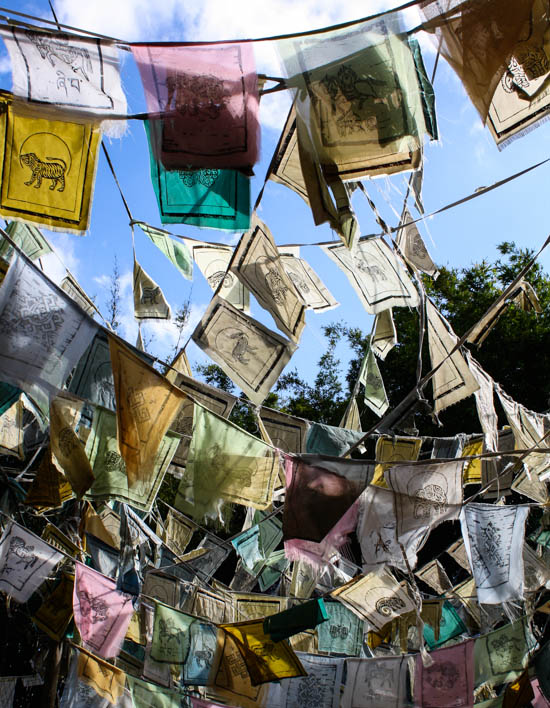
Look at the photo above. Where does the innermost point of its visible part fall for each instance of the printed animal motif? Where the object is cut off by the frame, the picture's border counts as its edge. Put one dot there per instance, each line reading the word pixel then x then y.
pixel 241 347
pixel 149 295
pixel 277 286
pixel 50 49
pixel 198 96
pixel 92 608
pixel 19 554
pixel 53 170
pixel 442 676
pixel 214 279
pixel 389 605
pixel 168 637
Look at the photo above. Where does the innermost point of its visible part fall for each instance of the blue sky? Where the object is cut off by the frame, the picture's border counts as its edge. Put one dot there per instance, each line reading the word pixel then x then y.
pixel 464 159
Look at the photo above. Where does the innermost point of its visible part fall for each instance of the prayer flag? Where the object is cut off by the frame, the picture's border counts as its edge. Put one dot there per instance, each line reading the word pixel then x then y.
pixel 28 238
pixel 376 683
pixel 449 681
pixel 306 281
pixel 149 300
pixel 176 251
pixel 502 655
pixel 296 619
pixel 213 260
pixel 171 635
pixel 384 336
pixel 376 397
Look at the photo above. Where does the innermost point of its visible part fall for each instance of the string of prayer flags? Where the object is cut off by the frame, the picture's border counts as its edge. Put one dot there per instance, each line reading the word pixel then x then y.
pixel 502 655
pixel 352 86
pixel 321 686
pixel 311 289
pixel 44 333
pixel 485 403
pixel 81 73
pixel 477 38
pixel 176 251
pixel 449 680
pixel 493 537
pixel 101 613
pixel 375 273
pixel 375 394
pixel 209 97
pixel 149 695
pixel 149 300
pixel 384 336
pixel 67 449
pixel 213 261
pixel 225 463
pixel 109 468
pixel 257 264
pixel 453 380
pixel 106 680
pixel 265 659
pixel 377 598
pixel 380 682
pixel 25 562
pixel 48 168
pixel 208 197
pixel 342 633
pixel 146 404
pixel 171 632
pixel 248 352
pixel 29 239
pixel 330 440
pixel 412 246
pixel 307 615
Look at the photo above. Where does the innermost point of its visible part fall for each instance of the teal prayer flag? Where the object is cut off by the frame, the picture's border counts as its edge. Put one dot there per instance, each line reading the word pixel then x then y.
pixel 450 626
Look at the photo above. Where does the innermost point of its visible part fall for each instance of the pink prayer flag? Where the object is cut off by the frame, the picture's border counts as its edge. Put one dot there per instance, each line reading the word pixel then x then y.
pixel 199 703
pixel 208 98
pixel 449 681
pixel 101 613
pixel 539 701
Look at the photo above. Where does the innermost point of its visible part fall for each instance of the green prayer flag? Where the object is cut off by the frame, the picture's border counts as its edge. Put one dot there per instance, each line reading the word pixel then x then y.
pixel 274 567
pixel 342 633
pixel 149 695
pixel 8 396
pixel 371 378
pixel 502 655
pixel 211 198
pixel 28 238
pixel 255 544
pixel 176 252
pixel 427 91
pixel 299 618
pixel 329 440
pixel 171 635
pixel 450 626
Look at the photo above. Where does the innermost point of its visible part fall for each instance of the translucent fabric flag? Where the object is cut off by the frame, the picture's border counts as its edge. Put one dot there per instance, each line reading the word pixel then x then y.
pixel 50 488
pixel 286 432
pixel 434 575
pixel 376 397
pixel 47 169
pixel 330 440
pixel 203 659
pixel 226 463
pixel 307 615
pixel 25 562
pixel 206 565
pixel 149 300
pixel 425 496
pixel 317 498
pixel 28 238
pixel 384 336
pixel 104 558
pixel 81 690
pixel 485 404
pixel 208 197
pixel 232 682
pixel 256 543
pixel 377 598
pixel 106 680
pixel 321 686
pixel 450 626
pixel 342 633
pixel 352 418
pixel 176 251
pixel 306 281
pixel 43 333
pixel 257 264
pixel 376 275
pixel 477 39
pixel 70 285
pixel 252 606
pixel 146 405
pixel 177 531
pixel 453 380
pixel 377 531
pixel 394 449
pixel 413 247
pixel 8 396
pixel 66 446
pixel 139 546
pixel 11 431
pixel 359 97
pixel 275 565
pixel 55 613
pixel 522 98
pixel 502 655
pixel 472 468
pixel 7 690
pixel 171 634
pixel 376 683
pixel 250 354
pixel 213 261
pixel 449 681
pixel 93 377
pixel 80 73
pixel 265 659
pixel 101 613
pixel 109 469
pixel 493 537
pixel 149 695
pixel 209 97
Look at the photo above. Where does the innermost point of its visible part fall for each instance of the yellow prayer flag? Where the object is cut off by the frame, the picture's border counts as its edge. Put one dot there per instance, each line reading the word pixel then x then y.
pixel 106 680
pixel 472 469
pixel 50 488
pixel 146 404
pixel 47 168
pixel 393 450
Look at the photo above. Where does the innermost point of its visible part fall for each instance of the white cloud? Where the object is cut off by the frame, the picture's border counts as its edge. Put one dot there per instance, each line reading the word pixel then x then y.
pixel 63 257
